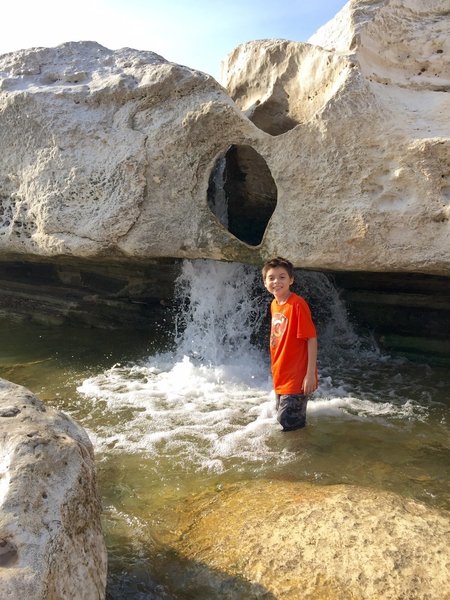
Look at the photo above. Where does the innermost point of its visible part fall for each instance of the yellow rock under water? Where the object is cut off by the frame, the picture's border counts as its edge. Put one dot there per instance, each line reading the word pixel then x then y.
pixel 295 541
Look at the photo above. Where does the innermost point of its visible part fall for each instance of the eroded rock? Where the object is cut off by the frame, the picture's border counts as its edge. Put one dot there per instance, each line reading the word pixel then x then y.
pixel 361 166
pixel 108 152
pixel 279 84
pixel 51 543
pixel 296 540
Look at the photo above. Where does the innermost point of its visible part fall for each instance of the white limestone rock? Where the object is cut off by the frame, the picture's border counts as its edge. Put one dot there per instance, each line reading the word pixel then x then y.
pixel 363 136
pixel 51 543
pixel 108 153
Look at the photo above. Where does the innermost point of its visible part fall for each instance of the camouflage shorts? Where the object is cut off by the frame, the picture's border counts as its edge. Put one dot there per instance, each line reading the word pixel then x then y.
pixel 291 410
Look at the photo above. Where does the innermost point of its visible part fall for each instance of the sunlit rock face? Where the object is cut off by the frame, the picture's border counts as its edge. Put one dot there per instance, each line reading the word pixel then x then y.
pixel 280 84
pixel 51 543
pixel 109 154
pixel 361 147
pixel 337 151
pixel 296 540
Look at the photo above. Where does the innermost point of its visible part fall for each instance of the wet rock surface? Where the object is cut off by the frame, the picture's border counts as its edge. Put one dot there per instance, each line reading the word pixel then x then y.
pixel 296 540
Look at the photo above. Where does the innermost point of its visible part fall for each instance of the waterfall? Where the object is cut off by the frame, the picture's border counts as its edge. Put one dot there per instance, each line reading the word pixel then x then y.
pixel 339 340
pixel 217 199
pixel 210 399
pixel 219 309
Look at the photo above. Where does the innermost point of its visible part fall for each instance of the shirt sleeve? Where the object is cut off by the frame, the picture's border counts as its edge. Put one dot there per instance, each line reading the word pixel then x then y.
pixel 305 326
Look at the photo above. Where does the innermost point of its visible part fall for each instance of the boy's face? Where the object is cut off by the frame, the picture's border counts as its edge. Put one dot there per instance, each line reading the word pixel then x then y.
pixel 278 282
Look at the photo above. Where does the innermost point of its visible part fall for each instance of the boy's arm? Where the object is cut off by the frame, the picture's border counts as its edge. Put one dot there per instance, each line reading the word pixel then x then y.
pixel 310 381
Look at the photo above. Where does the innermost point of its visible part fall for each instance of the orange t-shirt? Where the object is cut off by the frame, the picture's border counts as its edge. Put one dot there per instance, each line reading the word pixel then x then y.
pixel 291 327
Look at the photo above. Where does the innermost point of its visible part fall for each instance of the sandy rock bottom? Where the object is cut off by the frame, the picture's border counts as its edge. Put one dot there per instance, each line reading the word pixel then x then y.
pixel 284 540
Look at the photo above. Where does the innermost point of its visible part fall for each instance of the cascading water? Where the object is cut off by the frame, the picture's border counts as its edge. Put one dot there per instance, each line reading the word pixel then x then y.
pixel 197 401
pixel 219 309
pixel 210 399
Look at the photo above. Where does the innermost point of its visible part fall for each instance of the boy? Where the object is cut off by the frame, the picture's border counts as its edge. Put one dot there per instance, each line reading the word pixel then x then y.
pixel 293 345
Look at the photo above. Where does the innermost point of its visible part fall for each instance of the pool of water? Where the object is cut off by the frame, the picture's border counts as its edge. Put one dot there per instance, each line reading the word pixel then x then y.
pixel 175 412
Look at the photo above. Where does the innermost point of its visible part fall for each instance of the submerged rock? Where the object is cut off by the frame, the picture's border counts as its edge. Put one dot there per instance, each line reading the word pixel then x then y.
pixel 51 543
pixel 296 540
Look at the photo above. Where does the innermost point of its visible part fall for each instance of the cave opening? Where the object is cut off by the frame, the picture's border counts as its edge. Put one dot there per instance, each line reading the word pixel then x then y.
pixel 242 193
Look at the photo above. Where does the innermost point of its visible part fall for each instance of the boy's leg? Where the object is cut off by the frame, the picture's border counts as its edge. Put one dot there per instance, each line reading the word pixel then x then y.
pixel 291 410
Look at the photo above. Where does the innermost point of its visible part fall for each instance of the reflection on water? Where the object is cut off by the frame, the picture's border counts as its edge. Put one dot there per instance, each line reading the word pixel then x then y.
pixel 166 424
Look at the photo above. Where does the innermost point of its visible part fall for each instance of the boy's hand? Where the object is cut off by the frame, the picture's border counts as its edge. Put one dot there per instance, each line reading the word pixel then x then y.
pixel 310 381
pixel 309 384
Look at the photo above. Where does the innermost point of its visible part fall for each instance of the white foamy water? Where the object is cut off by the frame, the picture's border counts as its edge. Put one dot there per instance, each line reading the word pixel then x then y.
pixel 190 411
pixel 210 401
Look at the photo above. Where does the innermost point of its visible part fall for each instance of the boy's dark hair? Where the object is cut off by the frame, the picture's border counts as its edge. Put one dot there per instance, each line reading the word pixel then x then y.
pixel 278 262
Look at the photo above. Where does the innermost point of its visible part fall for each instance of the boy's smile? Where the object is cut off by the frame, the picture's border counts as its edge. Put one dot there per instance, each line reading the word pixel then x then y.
pixel 277 282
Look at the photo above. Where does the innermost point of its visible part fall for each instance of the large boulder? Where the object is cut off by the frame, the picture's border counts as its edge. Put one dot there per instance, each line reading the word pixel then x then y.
pixel 297 540
pixel 361 156
pixel 51 543
pixel 123 155
pixel 109 153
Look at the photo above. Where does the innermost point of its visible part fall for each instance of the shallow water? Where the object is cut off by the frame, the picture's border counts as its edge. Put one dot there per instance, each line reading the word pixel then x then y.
pixel 174 413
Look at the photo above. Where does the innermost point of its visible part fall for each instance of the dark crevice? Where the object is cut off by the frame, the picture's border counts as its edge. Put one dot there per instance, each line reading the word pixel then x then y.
pixel 242 193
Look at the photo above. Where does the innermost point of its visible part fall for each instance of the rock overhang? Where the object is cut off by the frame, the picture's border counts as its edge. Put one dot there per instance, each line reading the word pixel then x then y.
pixel 121 146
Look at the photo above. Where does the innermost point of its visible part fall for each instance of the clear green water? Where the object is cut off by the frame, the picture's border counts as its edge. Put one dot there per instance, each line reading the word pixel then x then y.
pixel 378 422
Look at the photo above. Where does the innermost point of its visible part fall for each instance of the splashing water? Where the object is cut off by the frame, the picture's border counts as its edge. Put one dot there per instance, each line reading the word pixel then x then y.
pixel 220 308
pixel 209 402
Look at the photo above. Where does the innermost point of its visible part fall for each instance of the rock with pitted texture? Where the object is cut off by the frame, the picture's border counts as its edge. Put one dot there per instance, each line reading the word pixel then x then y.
pixel 108 154
pixel 51 542
pixel 122 155
pixel 362 146
pixel 297 540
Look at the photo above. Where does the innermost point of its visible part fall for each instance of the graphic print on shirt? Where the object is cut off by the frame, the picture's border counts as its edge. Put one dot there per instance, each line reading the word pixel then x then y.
pixel 279 325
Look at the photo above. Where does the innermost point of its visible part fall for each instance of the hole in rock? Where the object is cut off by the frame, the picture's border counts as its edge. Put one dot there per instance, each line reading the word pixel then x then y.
pixel 242 193
pixel 8 553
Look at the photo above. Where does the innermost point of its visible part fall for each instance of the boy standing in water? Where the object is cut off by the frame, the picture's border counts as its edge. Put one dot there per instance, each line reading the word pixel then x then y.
pixel 293 345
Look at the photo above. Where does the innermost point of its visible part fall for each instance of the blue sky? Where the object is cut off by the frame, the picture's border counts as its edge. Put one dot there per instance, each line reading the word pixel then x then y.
pixel 197 33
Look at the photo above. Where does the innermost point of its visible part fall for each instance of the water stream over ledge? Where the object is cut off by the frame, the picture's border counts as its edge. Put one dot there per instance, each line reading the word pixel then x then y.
pixel 175 413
